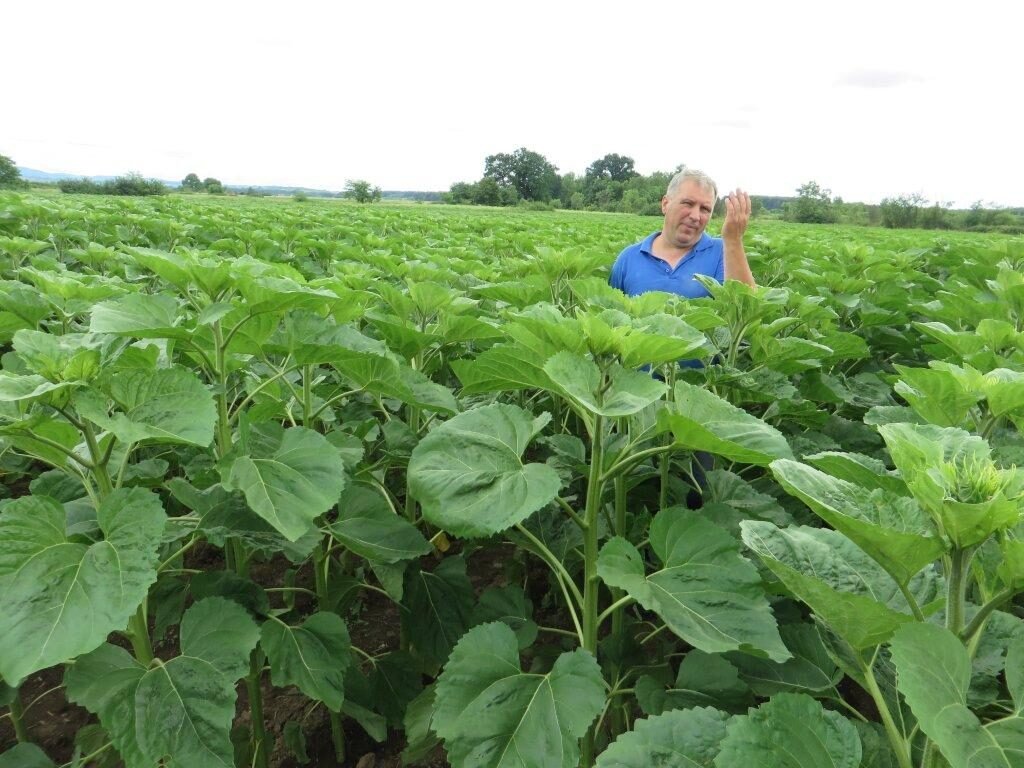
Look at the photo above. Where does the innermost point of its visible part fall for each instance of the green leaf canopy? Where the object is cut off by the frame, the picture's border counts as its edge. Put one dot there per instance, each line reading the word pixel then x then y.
pixel 371 529
pixel 289 477
pixel 490 713
pixel 893 529
pixel 812 737
pixel 681 738
pixel 179 711
pixel 579 379
pixel 61 598
pixel 312 656
pixel 469 474
pixel 169 405
pixel 702 421
pixel 934 675
pixel 843 586
pixel 706 592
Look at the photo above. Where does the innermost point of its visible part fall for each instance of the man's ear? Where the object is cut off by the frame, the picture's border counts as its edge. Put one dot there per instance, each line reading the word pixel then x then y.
pixel 664 203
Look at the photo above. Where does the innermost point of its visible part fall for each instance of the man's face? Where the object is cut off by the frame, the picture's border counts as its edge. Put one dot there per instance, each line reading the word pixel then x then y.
pixel 687 213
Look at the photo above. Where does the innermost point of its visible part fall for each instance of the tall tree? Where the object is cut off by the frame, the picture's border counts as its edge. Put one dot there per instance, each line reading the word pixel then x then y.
pixel 361 191
pixel 812 206
pixel 10 176
pixel 191 183
pixel 528 173
pixel 612 167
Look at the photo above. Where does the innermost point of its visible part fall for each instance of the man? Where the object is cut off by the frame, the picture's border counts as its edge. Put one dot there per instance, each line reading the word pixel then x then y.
pixel 668 260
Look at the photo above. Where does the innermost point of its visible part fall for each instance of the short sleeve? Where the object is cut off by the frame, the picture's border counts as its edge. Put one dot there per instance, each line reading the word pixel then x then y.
pixel 617 278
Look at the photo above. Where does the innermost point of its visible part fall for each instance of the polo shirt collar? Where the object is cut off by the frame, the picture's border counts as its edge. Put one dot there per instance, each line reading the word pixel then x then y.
pixel 700 245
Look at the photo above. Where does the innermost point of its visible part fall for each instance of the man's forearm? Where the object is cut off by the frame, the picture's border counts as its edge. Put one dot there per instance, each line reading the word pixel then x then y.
pixel 736 266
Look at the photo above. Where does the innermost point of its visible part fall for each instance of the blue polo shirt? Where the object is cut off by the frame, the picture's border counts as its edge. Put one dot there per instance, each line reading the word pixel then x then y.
pixel 637 270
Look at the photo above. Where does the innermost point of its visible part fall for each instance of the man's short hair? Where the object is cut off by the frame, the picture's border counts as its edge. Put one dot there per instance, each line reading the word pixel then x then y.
pixel 692 174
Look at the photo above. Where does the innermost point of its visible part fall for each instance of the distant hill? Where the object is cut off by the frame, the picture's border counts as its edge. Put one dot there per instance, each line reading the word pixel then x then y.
pixel 45 177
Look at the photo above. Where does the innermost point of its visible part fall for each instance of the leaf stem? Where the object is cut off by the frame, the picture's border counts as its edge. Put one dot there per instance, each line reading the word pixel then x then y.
pixel 915 608
pixel 976 623
pixel 571 513
pixel 192 542
pixel 622 602
pixel 553 562
pixel 896 739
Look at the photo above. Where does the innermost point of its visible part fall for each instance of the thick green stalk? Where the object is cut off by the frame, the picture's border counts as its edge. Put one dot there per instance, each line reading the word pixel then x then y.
pixel 591 583
pixel 307 395
pixel 321 562
pixel 138 633
pixel 620 530
pixel 664 462
pixel 99 468
pixel 618 715
pixel 221 374
pixel 956 584
pixel 18 718
pixel 260 747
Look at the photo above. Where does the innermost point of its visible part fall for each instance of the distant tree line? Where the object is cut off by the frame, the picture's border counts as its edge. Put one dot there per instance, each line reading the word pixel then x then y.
pixel 132 184
pixel 815 204
pixel 611 183
pixel 525 177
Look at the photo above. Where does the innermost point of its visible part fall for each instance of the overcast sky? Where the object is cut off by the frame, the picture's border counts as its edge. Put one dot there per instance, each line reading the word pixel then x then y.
pixel 870 99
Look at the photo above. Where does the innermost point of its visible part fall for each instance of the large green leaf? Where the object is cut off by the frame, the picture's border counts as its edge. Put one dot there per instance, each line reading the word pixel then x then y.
pixel 289 477
pixel 703 680
pixel 19 388
pixel 658 339
pixel 934 675
pixel 625 393
pixel 702 421
pixel 469 474
pixel 689 738
pixel 510 605
pixel 1004 390
pixel 440 607
pixel 179 711
pixel 893 529
pixel 811 670
pixel 312 656
pixel 104 682
pixel 504 368
pixel 706 592
pixel 25 755
pixel 858 469
pixel 490 713
pixel 937 395
pixel 225 515
pixel 842 585
pixel 150 316
pixel 61 598
pixel 169 405
pixel 790 731
pixel 368 526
